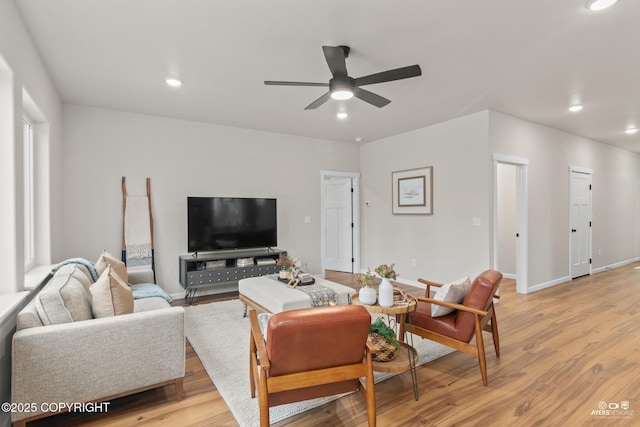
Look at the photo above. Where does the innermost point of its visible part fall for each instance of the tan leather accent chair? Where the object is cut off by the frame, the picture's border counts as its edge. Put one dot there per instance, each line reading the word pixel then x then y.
pixel 311 353
pixel 469 319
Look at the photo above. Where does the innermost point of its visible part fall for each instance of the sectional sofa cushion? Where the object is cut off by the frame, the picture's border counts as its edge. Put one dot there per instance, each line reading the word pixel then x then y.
pixel 111 295
pixel 66 297
pixel 105 260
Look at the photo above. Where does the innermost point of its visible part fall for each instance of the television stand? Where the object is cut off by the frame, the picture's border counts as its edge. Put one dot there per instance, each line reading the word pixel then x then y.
pixel 209 269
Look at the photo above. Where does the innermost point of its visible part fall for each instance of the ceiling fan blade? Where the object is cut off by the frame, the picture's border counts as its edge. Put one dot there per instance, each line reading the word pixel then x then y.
pixel 387 76
pixel 318 102
pixel 276 83
pixel 335 56
pixel 371 97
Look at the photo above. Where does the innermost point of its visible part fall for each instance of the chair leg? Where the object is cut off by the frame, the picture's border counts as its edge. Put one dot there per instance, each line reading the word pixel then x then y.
pixel 252 367
pixel 494 331
pixel 370 393
pixel 263 398
pixel 482 359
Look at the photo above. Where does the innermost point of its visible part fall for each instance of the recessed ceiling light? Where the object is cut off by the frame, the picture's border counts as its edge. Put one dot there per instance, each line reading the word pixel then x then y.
pixel 342 115
pixel 599 4
pixel 171 81
pixel 358 139
pixel 631 131
pixel 575 108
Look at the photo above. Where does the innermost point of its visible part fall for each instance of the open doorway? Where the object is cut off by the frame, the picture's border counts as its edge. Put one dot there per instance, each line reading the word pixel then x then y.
pixel 506 220
pixel 510 220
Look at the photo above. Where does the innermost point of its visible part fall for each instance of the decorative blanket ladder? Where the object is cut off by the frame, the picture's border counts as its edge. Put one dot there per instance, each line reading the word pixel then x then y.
pixel 137 235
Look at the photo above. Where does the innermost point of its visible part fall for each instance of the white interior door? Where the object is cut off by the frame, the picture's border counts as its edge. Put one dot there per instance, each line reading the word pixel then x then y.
pixel 338 224
pixel 580 223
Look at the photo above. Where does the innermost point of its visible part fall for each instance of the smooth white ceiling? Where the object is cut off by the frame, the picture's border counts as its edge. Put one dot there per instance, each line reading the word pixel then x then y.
pixel 529 59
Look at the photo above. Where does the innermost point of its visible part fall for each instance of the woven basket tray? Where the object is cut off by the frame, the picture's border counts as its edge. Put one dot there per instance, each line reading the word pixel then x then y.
pixel 385 351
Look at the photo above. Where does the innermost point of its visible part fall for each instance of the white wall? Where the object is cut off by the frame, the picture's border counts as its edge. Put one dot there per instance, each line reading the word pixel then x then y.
pixel 616 195
pixel 185 158
pixel 21 69
pixel 444 245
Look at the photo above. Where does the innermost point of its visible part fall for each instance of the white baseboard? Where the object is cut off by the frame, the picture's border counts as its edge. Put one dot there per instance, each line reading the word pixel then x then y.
pixel 509 276
pixel 560 280
pixel 548 284
pixel 615 265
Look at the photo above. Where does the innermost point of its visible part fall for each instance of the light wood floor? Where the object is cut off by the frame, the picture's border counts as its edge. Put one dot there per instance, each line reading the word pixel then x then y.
pixel 564 350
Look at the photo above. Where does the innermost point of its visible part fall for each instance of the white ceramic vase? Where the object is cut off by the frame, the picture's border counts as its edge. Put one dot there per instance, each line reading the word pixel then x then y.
pixel 367 295
pixel 385 293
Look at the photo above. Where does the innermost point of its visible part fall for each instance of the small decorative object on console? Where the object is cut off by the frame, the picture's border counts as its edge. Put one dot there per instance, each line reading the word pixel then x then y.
pixel 243 262
pixel 211 265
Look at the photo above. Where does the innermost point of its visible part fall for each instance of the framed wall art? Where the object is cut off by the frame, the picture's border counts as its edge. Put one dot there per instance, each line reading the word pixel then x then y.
pixel 412 191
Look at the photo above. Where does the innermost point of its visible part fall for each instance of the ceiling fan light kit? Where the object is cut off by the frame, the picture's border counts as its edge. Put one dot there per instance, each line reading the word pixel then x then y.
pixel 596 5
pixel 342 86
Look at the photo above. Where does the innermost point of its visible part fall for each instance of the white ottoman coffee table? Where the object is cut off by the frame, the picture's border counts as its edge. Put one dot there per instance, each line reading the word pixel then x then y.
pixel 268 295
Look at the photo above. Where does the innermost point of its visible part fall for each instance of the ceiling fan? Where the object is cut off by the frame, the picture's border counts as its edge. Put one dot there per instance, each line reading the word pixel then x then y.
pixel 341 86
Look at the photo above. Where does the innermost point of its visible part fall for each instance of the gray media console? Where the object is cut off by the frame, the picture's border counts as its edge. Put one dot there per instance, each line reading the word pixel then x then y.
pixel 224 267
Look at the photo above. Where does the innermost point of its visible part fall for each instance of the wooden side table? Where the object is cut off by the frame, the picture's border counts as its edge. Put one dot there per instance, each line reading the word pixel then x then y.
pixel 404 360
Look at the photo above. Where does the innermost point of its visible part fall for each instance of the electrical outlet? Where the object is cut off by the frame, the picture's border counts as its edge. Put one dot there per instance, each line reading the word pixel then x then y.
pixel 475 222
pixel 307 220
pixel 413 262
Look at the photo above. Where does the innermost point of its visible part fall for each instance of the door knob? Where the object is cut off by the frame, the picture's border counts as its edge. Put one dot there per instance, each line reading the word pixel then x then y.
pixel 573 230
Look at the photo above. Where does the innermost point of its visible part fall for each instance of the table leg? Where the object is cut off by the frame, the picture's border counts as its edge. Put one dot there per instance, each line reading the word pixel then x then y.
pixel 412 357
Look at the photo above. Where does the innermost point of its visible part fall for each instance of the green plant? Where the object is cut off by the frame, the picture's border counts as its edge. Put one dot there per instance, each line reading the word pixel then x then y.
pixel 366 280
pixel 386 271
pixel 382 329
pixel 285 262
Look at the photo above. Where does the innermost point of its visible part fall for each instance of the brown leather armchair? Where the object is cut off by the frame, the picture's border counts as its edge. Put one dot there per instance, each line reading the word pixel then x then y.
pixel 475 314
pixel 311 353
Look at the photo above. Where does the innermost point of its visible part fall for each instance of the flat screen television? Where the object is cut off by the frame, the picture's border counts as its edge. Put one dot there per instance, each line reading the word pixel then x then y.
pixel 218 223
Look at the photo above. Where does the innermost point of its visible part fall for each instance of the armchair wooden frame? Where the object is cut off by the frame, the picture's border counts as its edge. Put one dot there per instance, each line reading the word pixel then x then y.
pixel 484 320
pixel 260 379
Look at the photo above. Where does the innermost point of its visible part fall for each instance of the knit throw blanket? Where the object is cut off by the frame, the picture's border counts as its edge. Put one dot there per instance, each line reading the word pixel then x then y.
pixel 319 295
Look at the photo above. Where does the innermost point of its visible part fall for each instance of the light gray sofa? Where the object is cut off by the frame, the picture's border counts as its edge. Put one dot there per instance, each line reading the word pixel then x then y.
pixel 62 354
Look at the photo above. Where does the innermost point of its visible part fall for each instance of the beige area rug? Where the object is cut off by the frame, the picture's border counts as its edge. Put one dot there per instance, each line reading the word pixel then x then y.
pixel 220 336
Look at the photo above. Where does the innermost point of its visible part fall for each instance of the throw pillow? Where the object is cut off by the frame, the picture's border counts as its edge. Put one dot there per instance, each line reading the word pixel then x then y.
pixel 110 295
pixel 65 298
pixel 453 292
pixel 106 259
